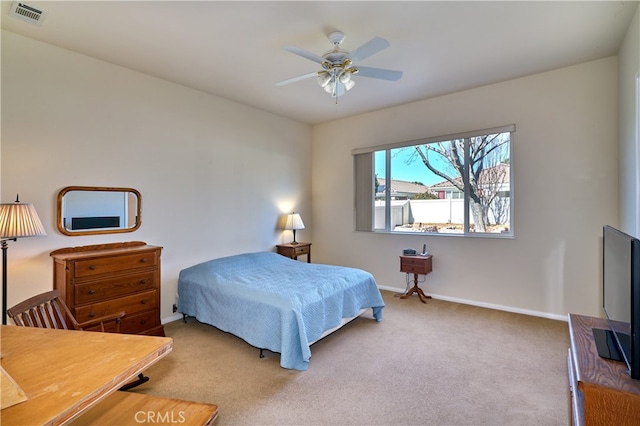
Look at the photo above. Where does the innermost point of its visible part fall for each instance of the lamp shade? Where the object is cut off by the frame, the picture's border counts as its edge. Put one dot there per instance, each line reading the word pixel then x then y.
pixel 294 221
pixel 19 220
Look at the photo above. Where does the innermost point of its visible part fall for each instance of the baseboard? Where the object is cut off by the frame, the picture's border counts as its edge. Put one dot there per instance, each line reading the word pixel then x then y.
pixel 171 318
pixel 488 305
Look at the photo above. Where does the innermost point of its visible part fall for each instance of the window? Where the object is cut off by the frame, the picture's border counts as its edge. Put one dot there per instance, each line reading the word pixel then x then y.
pixel 458 184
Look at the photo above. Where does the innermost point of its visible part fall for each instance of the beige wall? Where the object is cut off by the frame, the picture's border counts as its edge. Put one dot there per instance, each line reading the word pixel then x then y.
pixel 214 175
pixel 565 175
pixel 629 128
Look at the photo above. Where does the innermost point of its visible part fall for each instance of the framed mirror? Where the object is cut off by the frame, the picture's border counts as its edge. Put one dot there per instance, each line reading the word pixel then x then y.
pixel 89 210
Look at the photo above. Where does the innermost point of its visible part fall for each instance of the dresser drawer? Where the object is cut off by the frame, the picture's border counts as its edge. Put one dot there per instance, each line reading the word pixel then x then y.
pixel 413 260
pixel 299 251
pixel 98 291
pixel 414 269
pixel 107 265
pixel 133 324
pixel 139 322
pixel 129 304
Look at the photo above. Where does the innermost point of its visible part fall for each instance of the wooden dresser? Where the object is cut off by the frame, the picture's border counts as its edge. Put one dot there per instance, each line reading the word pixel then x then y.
pixel 108 278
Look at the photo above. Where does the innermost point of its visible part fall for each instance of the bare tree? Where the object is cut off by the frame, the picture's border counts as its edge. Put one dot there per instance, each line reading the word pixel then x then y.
pixel 495 206
pixel 485 177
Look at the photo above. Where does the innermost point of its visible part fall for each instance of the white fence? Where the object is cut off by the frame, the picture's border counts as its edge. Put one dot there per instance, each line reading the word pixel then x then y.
pixel 407 212
pixel 437 211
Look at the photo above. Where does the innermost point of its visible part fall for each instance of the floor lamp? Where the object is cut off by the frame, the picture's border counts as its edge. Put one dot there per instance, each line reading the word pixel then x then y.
pixel 17 220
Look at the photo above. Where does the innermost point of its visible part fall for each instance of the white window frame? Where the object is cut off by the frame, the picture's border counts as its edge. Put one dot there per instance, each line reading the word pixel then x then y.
pixel 364 178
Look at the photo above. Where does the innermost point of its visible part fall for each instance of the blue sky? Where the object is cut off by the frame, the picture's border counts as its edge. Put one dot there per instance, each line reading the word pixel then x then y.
pixel 400 170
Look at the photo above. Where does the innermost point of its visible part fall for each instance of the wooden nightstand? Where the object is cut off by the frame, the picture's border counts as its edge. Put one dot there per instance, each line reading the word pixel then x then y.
pixel 416 265
pixel 294 250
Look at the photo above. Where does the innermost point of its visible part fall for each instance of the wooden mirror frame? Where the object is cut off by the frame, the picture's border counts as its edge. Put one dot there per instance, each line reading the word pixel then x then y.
pixel 60 211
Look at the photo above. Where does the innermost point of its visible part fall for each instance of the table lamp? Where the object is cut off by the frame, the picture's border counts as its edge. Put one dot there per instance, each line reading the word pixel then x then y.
pixel 294 222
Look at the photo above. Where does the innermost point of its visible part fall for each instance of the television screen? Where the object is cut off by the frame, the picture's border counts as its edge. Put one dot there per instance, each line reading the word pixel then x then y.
pixel 621 299
pixel 617 275
pixel 95 222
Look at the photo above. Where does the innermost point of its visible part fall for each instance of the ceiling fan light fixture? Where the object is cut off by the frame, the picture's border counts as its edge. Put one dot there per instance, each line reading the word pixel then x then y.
pixel 330 87
pixel 324 79
pixel 349 84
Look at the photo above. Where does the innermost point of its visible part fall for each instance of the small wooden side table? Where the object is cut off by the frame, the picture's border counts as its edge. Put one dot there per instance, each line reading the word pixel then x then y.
pixel 294 250
pixel 416 265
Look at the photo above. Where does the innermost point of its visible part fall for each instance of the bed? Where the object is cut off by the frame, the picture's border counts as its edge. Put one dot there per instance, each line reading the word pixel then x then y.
pixel 276 303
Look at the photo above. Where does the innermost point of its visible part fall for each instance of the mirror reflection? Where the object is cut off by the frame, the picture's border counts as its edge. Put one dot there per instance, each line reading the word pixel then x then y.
pixel 86 210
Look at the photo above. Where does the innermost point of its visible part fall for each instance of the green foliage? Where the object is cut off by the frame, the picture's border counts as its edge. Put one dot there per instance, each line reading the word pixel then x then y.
pixel 425 196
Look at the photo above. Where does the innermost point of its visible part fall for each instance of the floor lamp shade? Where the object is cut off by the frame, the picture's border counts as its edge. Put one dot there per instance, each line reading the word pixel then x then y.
pixel 294 222
pixel 17 220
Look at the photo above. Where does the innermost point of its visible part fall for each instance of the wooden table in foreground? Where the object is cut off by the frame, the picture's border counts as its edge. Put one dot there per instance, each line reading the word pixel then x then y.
pixel 64 373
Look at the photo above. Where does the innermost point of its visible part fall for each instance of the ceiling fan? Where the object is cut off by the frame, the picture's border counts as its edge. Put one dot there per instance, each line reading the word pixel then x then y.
pixel 339 65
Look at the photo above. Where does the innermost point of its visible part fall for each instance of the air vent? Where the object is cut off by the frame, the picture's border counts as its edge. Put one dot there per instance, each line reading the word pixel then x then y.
pixel 27 13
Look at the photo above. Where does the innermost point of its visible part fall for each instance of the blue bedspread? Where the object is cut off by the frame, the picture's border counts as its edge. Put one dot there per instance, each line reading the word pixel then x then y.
pixel 276 303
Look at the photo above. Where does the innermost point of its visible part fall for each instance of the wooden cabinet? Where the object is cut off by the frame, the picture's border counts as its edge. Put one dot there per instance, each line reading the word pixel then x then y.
pixel 420 265
pixel 103 279
pixel 295 250
pixel 416 265
pixel 601 390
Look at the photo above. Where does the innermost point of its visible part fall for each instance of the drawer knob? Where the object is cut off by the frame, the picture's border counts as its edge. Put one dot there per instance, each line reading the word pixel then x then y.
pixel 143 281
pixel 143 260
pixel 92 315
pixel 143 322
pixel 92 267
pixel 92 291
pixel 143 301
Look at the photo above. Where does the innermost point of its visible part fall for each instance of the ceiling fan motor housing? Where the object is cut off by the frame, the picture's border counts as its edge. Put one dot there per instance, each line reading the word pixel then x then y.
pixel 336 37
pixel 335 56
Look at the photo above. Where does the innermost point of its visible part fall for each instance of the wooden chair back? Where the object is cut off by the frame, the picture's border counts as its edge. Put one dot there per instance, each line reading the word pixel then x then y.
pixel 48 310
pixel 45 310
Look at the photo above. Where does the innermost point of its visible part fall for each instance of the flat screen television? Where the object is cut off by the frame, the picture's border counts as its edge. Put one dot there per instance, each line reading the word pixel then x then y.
pixel 621 299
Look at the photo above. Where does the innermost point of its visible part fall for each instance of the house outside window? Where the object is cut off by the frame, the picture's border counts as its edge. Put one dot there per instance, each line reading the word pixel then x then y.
pixel 458 184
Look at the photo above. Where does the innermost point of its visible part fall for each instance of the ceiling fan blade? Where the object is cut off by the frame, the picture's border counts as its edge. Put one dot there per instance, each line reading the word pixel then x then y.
pixel 378 73
pixel 294 79
pixel 305 54
pixel 371 47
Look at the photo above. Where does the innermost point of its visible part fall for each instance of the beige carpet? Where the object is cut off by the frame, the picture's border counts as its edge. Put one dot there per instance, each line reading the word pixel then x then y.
pixel 436 364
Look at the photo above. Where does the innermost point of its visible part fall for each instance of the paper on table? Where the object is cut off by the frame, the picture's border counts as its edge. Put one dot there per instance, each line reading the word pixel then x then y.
pixel 10 392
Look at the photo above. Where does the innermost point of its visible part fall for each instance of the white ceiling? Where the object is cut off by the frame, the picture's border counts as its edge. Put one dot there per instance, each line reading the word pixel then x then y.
pixel 235 49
